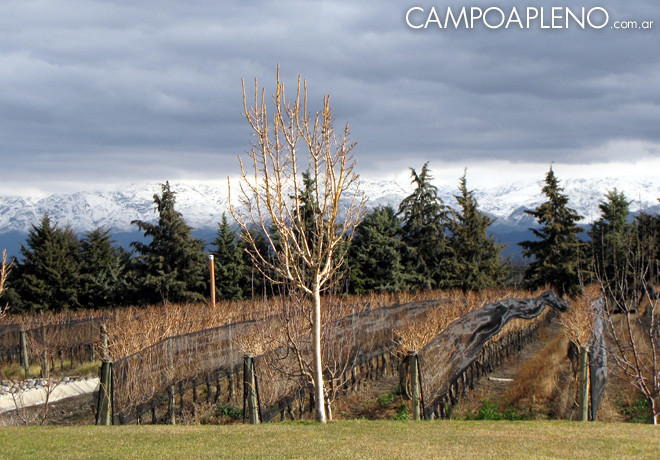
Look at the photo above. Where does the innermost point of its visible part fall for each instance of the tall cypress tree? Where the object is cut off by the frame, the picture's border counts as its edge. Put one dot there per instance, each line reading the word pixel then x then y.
pixel 424 216
pixel 48 276
pixel 230 269
pixel 103 270
pixel 173 266
pixel 477 263
pixel 374 258
pixel 557 252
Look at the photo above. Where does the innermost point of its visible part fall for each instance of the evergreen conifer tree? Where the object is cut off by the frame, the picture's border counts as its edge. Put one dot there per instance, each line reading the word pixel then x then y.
pixel 426 254
pixel 477 263
pixel 103 271
pixel 48 276
pixel 229 263
pixel 611 238
pixel 648 231
pixel 374 258
pixel 173 265
pixel 557 252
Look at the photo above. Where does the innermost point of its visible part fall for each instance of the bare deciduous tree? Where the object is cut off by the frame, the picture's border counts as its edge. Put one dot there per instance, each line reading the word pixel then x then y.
pixel 305 253
pixel 632 319
pixel 5 267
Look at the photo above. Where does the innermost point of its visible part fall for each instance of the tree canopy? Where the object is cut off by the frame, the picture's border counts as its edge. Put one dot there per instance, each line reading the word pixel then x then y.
pixel 172 264
pixel 556 253
pixel 477 263
pixel 424 217
pixel 48 276
pixel 374 257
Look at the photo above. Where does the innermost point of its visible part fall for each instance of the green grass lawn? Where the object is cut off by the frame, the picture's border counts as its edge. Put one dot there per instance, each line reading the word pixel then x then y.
pixel 346 439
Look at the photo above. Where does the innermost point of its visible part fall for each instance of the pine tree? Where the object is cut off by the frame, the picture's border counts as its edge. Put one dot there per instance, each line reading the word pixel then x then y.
pixel 374 258
pixel 48 276
pixel 611 238
pixel 229 263
pixel 426 254
pixel 173 265
pixel 477 263
pixel 103 271
pixel 556 254
pixel 648 231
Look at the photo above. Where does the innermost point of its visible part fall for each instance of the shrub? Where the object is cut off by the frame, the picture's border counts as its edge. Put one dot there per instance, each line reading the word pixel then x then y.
pixel 402 414
pixel 230 411
pixel 637 411
pixel 386 399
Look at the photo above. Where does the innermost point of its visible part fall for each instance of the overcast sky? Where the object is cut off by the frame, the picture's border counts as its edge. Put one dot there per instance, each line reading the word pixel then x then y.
pixel 96 93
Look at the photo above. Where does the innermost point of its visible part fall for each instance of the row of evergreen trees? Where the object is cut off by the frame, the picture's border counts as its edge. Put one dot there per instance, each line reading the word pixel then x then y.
pixel 424 244
pixel 620 253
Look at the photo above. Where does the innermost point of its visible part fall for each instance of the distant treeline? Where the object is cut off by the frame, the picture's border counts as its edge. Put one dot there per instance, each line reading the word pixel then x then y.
pixel 424 244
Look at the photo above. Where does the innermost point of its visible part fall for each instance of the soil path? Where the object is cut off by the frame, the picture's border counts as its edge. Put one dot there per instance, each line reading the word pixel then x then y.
pixel 497 384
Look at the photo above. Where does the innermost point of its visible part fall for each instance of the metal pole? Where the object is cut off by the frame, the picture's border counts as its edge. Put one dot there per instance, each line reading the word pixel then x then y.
pixel 212 265
pixel 414 380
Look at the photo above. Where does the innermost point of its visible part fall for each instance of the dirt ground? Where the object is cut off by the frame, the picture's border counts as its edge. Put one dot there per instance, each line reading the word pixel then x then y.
pixel 78 410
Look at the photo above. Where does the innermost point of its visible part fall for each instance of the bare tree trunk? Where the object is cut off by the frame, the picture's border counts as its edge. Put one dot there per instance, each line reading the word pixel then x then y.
pixel 319 398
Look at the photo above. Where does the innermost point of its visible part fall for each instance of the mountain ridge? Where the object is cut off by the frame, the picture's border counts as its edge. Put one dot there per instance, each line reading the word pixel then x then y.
pixel 202 205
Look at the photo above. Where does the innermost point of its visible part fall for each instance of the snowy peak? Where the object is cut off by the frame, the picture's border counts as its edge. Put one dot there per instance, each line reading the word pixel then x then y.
pixel 202 204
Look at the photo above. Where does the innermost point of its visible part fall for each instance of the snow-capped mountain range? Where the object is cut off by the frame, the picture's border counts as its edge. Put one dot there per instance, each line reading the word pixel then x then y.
pixel 202 204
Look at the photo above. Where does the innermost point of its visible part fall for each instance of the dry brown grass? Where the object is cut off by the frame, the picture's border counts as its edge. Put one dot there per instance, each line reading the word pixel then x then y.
pixel 537 379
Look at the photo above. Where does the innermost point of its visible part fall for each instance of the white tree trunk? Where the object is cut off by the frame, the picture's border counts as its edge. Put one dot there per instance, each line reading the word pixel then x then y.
pixel 319 399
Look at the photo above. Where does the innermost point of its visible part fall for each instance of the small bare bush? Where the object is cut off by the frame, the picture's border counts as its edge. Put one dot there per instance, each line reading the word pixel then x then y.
pixel 578 321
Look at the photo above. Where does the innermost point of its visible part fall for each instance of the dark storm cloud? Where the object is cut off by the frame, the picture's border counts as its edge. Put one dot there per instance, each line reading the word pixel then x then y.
pixel 131 90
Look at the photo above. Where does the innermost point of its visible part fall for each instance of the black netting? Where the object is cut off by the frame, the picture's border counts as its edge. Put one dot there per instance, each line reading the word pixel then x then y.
pixel 143 378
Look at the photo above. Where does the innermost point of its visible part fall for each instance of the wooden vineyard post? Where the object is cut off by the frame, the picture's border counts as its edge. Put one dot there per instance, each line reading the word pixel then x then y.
pixel 171 418
pixel 583 384
pixel 104 408
pixel 24 353
pixel 212 267
pixel 414 383
pixel 104 343
pixel 182 390
pixel 250 406
pixel 92 352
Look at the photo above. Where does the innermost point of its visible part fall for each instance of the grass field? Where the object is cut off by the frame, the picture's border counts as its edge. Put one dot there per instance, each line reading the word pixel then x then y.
pixel 350 439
